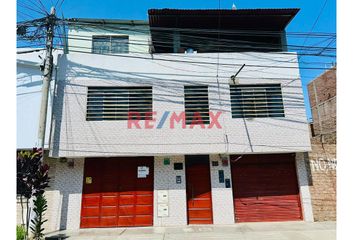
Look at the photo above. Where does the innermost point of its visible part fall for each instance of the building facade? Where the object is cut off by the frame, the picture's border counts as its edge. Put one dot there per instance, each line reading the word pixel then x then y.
pixel 184 133
pixel 323 158
pixel 28 99
pixel 108 36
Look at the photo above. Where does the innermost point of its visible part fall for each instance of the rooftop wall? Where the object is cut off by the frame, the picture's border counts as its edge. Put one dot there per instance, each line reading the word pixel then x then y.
pixel 80 37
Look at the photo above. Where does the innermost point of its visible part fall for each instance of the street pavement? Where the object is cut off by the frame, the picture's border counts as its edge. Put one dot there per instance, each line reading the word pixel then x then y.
pixel 240 231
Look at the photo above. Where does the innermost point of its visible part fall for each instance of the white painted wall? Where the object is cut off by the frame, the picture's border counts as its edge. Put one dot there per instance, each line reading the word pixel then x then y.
pixel 64 195
pixel 80 37
pixel 303 181
pixel 165 179
pixel 28 99
pixel 73 136
pixel 222 197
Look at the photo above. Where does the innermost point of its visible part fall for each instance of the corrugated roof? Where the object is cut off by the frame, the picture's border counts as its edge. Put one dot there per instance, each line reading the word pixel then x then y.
pixel 258 19
pixel 256 11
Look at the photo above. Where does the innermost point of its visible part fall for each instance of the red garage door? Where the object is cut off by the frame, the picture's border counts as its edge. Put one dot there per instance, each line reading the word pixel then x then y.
pixel 114 195
pixel 265 188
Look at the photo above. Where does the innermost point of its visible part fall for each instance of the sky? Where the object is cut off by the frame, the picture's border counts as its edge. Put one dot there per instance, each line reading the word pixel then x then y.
pixel 314 16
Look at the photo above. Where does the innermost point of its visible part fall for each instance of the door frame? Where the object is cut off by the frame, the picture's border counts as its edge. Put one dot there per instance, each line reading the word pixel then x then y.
pixel 211 189
pixel 290 158
pixel 136 160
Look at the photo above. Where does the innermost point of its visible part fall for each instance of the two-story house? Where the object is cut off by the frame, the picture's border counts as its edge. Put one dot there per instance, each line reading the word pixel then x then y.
pixel 194 117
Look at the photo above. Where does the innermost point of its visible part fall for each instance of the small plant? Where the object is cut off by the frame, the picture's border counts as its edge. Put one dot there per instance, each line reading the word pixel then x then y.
pixel 20 232
pixel 32 179
pixel 40 206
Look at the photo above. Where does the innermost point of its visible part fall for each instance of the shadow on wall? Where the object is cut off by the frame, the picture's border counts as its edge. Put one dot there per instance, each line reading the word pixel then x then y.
pixel 68 182
pixel 168 83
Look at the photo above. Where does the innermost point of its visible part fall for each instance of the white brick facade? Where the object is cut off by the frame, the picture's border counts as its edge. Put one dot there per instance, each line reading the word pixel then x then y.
pixel 165 179
pixel 222 198
pixel 73 136
pixel 64 195
pixel 305 194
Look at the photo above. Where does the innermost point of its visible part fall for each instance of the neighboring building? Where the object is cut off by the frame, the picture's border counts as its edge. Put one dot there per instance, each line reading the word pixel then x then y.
pixel 106 36
pixel 28 98
pixel 218 149
pixel 323 159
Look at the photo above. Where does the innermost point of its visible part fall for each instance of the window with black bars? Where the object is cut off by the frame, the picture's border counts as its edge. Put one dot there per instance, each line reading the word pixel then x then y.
pixel 196 104
pixel 256 101
pixel 119 103
pixel 110 44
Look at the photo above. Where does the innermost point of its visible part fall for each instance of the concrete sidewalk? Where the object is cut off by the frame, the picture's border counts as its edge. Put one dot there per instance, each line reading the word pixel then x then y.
pixel 242 231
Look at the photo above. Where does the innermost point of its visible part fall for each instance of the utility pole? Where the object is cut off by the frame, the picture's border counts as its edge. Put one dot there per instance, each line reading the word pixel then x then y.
pixel 47 77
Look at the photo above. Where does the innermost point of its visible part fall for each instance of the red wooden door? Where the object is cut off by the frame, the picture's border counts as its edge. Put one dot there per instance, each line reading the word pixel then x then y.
pixel 114 196
pixel 265 188
pixel 199 203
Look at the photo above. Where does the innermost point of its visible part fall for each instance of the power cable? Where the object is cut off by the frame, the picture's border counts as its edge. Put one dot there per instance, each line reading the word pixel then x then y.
pixel 208 31
pixel 30 8
pixel 318 17
pixel 164 44
pixel 230 43
pixel 30 51
pixel 43 7
pixel 201 63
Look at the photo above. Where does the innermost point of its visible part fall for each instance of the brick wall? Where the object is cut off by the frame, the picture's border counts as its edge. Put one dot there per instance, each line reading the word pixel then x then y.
pixel 322 159
pixel 322 166
pixel 322 96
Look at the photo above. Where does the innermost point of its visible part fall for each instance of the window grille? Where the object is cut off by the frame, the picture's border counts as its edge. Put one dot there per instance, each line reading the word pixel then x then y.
pixel 110 44
pixel 256 101
pixel 196 104
pixel 116 103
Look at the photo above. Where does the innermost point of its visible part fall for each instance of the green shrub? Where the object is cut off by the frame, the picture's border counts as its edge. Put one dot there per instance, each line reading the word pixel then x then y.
pixel 20 232
pixel 40 206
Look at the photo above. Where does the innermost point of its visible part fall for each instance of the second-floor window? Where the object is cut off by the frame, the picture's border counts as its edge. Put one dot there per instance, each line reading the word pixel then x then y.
pixel 196 104
pixel 110 44
pixel 118 103
pixel 256 101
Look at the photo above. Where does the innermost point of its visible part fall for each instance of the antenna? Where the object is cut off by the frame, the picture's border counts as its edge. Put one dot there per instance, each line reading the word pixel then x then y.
pixel 233 77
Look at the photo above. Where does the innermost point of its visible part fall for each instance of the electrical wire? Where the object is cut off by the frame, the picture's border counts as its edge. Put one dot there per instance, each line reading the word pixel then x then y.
pixel 164 44
pixel 30 51
pixel 208 31
pixel 30 8
pixel 201 63
pixel 43 7
pixel 230 43
pixel 316 21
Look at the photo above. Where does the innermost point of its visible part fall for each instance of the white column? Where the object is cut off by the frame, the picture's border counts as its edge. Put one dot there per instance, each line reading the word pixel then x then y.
pixel 222 198
pixel 165 179
pixel 68 186
pixel 303 182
